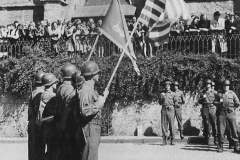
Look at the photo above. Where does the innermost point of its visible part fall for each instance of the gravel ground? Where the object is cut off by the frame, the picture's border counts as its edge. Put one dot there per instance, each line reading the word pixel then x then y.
pixel 135 152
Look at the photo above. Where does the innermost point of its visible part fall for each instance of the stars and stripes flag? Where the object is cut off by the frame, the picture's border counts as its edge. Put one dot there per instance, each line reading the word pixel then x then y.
pixel 158 15
pixel 115 28
pixel 151 12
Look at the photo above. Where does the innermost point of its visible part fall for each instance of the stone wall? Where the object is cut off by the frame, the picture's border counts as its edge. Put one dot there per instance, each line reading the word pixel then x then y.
pixel 209 8
pixel 23 15
pixel 125 121
pixel 203 6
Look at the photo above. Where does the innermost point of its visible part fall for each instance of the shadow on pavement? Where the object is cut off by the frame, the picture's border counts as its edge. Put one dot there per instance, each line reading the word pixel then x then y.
pixel 208 148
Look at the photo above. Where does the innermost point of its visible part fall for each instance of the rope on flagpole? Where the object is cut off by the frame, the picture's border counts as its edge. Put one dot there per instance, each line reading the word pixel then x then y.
pixel 93 48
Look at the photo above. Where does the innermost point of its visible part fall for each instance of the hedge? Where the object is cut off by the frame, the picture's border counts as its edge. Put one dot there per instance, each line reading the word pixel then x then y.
pixel 16 75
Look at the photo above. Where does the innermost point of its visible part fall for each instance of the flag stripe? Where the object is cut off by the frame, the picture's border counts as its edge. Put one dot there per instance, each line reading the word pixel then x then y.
pixel 152 11
pixel 149 14
pixel 161 27
pixel 160 3
pixel 146 20
pixel 153 5
pixel 154 35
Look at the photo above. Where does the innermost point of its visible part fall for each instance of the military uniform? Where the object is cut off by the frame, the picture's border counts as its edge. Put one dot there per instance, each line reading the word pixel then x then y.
pixel 49 128
pixel 34 135
pixel 63 96
pixel 46 109
pixel 226 114
pixel 167 114
pixel 208 112
pixel 91 103
pixel 178 102
pixel 88 101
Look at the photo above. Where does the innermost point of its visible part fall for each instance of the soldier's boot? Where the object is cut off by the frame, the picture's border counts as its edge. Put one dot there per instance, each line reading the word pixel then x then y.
pixel 172 142
pixel 215 140
pixel 231 145
pixel 220 148
pixel 206 140
pixel 181 135
pixel 164 141
pixel 236 147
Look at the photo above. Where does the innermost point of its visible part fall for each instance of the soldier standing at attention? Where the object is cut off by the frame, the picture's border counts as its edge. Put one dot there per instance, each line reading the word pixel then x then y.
pixel 226 114
pixel 179 100
pixel 166 99
pixel 47 112
pixel 63 92
pixel 208 111
pixel 33 130
pixel 90 103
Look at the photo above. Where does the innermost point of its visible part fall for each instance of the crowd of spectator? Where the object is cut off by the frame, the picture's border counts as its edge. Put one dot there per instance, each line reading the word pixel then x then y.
pixel 230 23
pixel 72 31
pixel 76 32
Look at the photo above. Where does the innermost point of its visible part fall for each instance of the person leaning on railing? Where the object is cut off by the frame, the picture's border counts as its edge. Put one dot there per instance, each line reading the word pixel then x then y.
pixel 68 33
pixel 55 32
pixel 204 24
pixel 217 27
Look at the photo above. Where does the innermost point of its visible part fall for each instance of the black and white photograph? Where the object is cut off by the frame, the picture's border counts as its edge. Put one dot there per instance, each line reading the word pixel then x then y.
pixel 119 79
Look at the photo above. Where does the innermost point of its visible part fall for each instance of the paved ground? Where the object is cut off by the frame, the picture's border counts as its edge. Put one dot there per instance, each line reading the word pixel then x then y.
pixel 127 151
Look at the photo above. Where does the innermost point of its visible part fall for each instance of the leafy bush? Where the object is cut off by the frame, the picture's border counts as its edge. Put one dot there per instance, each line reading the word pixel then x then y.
pixel 16 75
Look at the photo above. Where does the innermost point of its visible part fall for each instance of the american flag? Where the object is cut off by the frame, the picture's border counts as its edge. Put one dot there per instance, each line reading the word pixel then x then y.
pixel 159 33
pixel 158 15
pixel 152 11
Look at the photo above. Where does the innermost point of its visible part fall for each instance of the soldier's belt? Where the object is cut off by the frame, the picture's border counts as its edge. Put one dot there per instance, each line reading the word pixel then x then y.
pixel 96 121
pixel 177 106
pixel 208 105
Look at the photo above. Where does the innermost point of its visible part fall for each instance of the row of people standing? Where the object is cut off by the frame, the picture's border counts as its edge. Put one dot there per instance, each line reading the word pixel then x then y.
pixel 214 35
pixel 65 118
pixel 218 113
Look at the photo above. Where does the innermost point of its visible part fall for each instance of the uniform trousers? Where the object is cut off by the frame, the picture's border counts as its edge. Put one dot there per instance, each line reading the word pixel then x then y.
pixel 167 120
pixel 93 135
pixel 178 115
pixel 209 121
pixel 224 118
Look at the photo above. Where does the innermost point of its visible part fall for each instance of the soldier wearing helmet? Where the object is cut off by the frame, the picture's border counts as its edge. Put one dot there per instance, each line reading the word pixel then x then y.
pixel 229 102
pixel 34 102
pixel 63 91
pixel 91 103
pixel 179 100
pixel 47 108
pixel 63 98
pixel 207 100
pixel 166 99
pixel 75 121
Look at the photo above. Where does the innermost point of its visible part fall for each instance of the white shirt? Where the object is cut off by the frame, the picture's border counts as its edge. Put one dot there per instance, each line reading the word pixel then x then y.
pixel 218 25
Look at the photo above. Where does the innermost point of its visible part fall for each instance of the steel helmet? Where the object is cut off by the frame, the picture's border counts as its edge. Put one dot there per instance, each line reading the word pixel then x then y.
pixel 213 83
pixel 38 77
pixel 176 83
pixel 77 78
pixel 49 79
pixel 227 83
pixel 68 70
pixel 168 82
pixel 209 81
pixel 90 68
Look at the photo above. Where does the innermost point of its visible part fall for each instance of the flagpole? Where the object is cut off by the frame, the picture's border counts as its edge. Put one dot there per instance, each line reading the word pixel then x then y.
pixel 121 57
pixel 93 48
